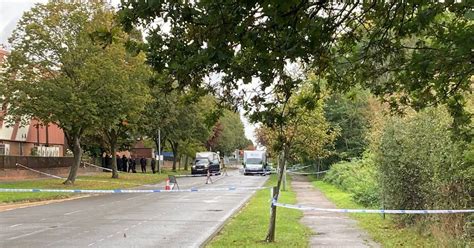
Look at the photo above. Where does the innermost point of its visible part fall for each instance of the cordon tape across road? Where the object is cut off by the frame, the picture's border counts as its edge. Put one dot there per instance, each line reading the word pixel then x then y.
pixel 122 191
pixel 373 211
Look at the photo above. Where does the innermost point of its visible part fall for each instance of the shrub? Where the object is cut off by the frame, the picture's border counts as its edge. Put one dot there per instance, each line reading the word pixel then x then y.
pixel 421 166
pixel 357 177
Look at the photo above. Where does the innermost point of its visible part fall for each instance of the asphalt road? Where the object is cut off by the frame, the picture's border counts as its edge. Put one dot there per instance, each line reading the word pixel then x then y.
pixel 129 220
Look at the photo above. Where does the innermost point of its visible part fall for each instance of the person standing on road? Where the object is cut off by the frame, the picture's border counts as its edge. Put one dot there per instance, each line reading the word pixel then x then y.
pixel 143 164
pixel 124 163
pixel 153 165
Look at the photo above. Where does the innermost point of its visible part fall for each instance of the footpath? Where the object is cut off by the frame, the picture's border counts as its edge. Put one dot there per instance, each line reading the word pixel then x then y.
pixel 330 229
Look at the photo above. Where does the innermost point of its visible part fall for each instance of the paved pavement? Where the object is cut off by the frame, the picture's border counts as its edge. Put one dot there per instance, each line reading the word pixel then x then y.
pixel 331 229
pixel 129 220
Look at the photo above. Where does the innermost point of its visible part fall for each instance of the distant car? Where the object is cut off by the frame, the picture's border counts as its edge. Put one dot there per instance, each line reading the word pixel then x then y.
pixel 200 166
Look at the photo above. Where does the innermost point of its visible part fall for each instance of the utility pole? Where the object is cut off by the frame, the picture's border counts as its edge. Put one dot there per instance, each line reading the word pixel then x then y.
pixel 159 151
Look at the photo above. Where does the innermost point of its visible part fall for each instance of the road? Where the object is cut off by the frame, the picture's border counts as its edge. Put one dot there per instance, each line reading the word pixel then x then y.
pixel 129 220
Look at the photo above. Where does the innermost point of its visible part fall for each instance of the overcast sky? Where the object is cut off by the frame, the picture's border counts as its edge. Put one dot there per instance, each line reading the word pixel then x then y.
pixel 12 10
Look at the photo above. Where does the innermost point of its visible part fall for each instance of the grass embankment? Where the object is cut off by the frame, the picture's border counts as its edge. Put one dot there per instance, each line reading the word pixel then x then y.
pixel 249 227
pixel 383 231
pixel 101 180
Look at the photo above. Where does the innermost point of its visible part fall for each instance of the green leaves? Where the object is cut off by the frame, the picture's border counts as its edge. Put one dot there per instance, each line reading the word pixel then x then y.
pixel 408 53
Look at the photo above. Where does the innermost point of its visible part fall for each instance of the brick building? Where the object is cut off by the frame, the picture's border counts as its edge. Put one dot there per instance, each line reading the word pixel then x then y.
pixel 33 138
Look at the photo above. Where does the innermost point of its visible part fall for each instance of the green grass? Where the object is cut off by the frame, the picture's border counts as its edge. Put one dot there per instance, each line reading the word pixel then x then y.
pixel 96 181
pixel 249 227
pixel 383 231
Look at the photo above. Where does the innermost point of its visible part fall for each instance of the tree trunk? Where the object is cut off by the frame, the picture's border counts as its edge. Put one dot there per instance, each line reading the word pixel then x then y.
pixel 114 160
pixel 77 151
pixel 271 227
pixel 174 147
pixel 186 162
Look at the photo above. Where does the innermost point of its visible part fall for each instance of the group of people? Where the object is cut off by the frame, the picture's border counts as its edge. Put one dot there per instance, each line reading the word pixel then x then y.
pixel 130 164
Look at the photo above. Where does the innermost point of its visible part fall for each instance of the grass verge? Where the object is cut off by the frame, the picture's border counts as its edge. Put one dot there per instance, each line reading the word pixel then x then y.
pixel 99 180
pixel 249 227
pixel 383 231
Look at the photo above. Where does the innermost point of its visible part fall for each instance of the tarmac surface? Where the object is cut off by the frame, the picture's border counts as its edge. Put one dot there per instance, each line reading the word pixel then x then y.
pixel 175 219
pixel 330 229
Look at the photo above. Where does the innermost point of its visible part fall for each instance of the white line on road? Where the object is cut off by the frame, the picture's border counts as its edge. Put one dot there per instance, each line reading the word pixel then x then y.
pixel 16 225
pixel 100 240
pixel 28 234
pixel 110 236
pixel 91 244
pixel 73 212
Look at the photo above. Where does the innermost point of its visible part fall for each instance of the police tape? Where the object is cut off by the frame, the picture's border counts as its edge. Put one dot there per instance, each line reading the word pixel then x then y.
pixel 198 175
pixel 40 172
pixel 307 173
pixel 126 191
pixel 297 168
pixel 77 179
pixel 372 211
pixel 98 167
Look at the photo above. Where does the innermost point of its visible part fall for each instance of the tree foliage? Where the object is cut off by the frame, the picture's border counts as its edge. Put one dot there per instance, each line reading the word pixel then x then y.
pixel 407 52
pixel 228 134
pixel 348 113
pixel 421 167
pixel 61 73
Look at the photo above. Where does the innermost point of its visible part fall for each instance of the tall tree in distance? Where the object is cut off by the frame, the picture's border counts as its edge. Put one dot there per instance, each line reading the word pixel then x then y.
pixel 57 71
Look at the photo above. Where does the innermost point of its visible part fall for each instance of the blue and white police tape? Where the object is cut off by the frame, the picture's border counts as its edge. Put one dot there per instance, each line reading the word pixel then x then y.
pixel 373 211
pixel 297 168
pixel 119 191
pixel 96 166
pixel 198 175
pixel 78 179
pixel 307 173
pixel 40 172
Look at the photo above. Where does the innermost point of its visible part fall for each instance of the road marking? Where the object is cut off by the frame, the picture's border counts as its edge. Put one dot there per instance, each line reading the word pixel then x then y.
pixel 16 225
pixel 73 212
pixel 110 236
pixel 91 244
pixel 131 198
pixel 28 234
pixel 100 240
pixel 126 229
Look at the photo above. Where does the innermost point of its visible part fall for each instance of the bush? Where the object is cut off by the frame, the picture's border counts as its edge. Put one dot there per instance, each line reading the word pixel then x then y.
pixel 421 166
pixel 357 177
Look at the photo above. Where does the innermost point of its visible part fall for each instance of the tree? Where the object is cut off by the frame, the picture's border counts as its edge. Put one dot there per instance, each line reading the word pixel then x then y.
pixel 347 112
pixel 228 134
pixel 303 134
pixel 55 70
pixel 408 53
pixel 180 120
pixel 124 77
pixel 343 43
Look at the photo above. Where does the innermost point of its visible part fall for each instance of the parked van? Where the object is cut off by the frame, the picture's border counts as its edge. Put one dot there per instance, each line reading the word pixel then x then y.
pixel 255 162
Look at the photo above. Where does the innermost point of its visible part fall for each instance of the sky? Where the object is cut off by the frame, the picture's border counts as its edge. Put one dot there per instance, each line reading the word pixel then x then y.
pixel 12 10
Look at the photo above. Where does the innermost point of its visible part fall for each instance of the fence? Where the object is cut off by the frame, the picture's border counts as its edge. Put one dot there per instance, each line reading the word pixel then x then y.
pixel 9 162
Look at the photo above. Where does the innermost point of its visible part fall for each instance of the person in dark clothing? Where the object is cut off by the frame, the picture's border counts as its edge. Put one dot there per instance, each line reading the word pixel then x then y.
pixel 153 167
pixel 124 163
pixel 143 164
pixel 131 165
pixel 119 162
